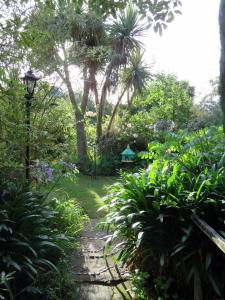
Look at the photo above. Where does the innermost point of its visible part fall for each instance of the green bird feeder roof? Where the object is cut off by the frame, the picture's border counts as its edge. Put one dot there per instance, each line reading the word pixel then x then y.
pixel 128 151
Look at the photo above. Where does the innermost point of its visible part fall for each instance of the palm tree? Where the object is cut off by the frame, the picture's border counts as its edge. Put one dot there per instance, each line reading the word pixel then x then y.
pixel 124 34
pixel 135 78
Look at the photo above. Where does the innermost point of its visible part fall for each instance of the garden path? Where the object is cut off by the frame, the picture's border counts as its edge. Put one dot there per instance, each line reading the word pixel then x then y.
pixel 96 276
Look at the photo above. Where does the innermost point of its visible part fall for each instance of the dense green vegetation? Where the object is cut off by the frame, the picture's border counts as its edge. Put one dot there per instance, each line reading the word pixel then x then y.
pixel 153 212
pixel 165 213
pixel 36 234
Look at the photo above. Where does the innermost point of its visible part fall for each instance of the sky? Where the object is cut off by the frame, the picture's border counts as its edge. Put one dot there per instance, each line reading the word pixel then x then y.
pixel 190 47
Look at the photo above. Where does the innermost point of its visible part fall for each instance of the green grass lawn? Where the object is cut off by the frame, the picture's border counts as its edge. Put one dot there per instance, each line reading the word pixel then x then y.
pixel 86 190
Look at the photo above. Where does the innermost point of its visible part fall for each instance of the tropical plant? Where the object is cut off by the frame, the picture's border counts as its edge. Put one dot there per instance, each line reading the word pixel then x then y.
pixel 26 240
pixel 35 232
pixel 83 34
pixel 138 285
pixel 124 34
pixel 152 212
pixel 135 77
pixel 94 47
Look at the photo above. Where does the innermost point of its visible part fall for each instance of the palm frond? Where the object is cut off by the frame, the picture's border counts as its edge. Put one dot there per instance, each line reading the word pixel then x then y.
pixel 126 30
pixel 137 74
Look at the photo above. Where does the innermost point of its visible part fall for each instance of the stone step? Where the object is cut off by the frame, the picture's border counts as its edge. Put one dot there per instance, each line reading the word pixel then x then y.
pixel 109 269
pixel 87 291
pixel 111 282
pixel 95 275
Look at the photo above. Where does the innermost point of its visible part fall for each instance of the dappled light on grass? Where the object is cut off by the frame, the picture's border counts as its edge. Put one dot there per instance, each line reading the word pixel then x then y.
pixel 86 190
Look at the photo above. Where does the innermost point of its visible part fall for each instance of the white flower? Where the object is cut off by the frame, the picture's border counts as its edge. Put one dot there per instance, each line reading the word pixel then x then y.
pixel 90 114
pixel 129 125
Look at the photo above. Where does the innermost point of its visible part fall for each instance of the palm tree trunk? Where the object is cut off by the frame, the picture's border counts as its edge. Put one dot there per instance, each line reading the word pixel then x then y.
pixel 81 139
pixel 115 109
pixel 96 96
pixel 86 89
pixel 222 58
pixel 129 103
pixel 100 109
pixel 93 83
pixel 101 105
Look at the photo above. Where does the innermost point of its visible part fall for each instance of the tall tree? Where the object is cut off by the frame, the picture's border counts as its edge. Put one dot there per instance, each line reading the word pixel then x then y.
pixel 124 36
pixel 83 34
pixel 64 38
pixel 167 98
pixel 134 78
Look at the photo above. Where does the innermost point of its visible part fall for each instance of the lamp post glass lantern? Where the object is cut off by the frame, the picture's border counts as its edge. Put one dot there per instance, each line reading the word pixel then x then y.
pixel 30 81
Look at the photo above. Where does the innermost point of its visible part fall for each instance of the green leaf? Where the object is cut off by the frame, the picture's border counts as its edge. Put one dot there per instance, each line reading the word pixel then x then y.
pixel 15 265
pixel 208 260
pixel 214 284
pixel 47 263
pixel 139 239
pixel 190 273
pixel 136 225
pixel 162 260
pixel 178 249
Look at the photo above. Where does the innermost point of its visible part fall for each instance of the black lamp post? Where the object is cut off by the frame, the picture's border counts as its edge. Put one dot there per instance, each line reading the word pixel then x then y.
pixel 30 81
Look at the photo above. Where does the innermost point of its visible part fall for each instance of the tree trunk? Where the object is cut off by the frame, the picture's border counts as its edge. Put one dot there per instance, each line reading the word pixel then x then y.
pixel 96 96
pixel 93 84
pixel 79 119
pixel 222 58
pixel 100 108
pixel 80 129
pixel 81 139
pixel 129 103
pixel 86 90
pixel 115 109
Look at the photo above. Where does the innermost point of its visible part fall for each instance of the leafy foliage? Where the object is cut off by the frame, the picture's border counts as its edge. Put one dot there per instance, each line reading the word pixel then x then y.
pixel 34 234
pixel 151 213
pixel 48 139
pixel 11 126
pixel 52 134
pixel 165 104
pixel 167 98
pixel 208 111
pixel 136 74
pixel 26 240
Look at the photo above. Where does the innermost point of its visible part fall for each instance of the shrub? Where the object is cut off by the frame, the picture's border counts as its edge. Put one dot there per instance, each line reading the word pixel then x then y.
pixel 35 234
pixel 68 220
pixel 26 241
pixel 152 213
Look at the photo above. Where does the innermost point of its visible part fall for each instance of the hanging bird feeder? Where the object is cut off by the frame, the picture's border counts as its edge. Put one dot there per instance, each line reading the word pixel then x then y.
pixel 128 155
